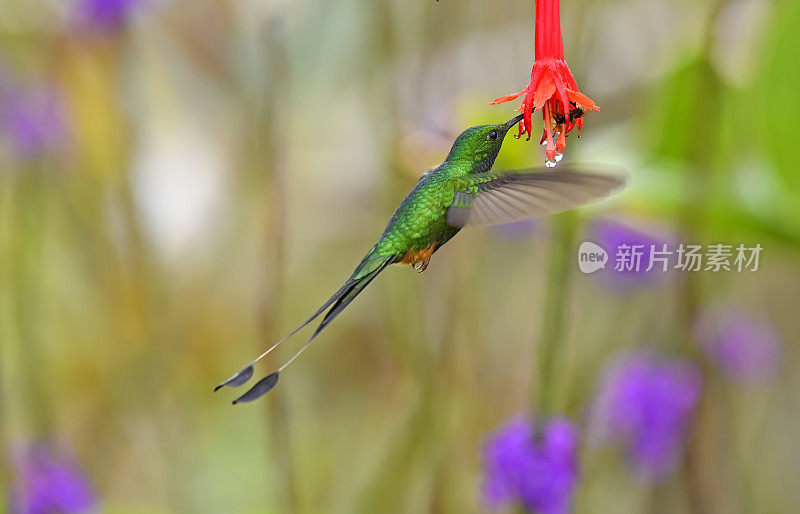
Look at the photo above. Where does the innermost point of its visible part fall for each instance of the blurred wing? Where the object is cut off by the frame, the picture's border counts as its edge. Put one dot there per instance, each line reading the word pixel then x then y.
pixel 503 197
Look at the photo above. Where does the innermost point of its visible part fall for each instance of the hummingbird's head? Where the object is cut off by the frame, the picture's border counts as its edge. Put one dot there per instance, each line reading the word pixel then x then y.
pixel 480 145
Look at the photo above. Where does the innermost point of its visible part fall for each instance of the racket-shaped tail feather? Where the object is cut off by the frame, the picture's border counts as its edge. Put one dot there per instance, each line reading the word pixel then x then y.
pixel 366 272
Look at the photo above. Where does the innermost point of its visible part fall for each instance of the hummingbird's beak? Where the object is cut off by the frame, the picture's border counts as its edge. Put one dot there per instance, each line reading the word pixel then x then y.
pixel 513 121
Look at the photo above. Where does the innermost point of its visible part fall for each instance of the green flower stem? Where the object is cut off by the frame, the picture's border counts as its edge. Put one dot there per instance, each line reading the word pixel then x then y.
pixel 555 304
pixel 267 145
pixel 26 257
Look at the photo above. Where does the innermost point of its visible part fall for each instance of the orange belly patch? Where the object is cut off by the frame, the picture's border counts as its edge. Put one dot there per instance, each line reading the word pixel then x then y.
pixel 419 259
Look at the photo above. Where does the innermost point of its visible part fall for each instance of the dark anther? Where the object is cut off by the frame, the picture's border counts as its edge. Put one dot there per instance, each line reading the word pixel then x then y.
pixel 575 113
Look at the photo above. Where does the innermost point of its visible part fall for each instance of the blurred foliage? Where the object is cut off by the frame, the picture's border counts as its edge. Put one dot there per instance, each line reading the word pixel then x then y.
pixel 225 164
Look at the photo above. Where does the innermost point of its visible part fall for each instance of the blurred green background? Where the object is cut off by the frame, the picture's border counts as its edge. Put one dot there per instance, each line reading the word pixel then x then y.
pixel 205 173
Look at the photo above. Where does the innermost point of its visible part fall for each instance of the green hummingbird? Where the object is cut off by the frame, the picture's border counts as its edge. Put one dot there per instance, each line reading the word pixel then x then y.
pixel 461 191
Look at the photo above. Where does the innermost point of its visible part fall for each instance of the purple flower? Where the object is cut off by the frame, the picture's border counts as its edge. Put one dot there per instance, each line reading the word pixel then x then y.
pixel 629 253
pixel 32 120
pixel 45 483
pixel 647 403
pixel 743 347
pixel 105 15
pixel 538 473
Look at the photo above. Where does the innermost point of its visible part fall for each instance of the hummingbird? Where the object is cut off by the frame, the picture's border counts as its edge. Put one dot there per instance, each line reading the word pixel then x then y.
pixel 463 190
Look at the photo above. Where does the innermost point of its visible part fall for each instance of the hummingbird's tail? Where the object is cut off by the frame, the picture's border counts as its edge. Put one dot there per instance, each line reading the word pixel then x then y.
pixel 365 273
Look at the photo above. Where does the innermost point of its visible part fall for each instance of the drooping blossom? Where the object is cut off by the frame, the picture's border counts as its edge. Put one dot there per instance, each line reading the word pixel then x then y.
pixel 44 483
pixel 629 255
pixel 539 473
pixel 105 15
pixel 552 88
pixel 743 347
pixel 646 403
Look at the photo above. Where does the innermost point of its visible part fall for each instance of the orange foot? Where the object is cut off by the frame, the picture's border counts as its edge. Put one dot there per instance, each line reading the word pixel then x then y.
pixel 419 259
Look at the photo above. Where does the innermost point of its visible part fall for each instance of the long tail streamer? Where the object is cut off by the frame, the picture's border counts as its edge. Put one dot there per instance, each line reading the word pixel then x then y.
pixel 340 300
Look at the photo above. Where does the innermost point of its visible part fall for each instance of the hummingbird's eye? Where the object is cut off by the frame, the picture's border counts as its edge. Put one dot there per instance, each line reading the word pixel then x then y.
pixel 492 136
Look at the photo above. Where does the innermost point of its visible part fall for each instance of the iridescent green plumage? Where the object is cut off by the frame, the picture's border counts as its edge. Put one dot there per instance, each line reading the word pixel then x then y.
pixel 462 190
pixel 418 227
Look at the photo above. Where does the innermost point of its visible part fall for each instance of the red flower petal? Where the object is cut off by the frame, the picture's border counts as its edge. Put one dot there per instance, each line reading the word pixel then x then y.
pixel 508 98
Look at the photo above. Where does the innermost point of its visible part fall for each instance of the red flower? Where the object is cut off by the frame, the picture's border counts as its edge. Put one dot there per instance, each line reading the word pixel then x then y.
pixel 553 89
